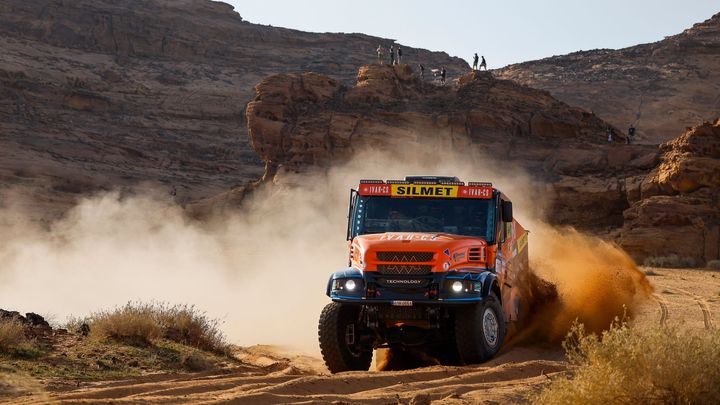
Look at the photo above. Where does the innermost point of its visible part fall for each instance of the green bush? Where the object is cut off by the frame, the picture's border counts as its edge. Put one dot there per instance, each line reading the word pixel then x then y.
pixel 628 365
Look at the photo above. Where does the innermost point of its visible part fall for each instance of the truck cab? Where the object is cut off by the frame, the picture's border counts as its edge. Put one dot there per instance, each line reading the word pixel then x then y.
pixel 432 263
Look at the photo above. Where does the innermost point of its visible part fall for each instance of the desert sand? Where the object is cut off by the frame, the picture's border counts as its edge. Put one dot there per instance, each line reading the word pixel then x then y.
pixel 270 375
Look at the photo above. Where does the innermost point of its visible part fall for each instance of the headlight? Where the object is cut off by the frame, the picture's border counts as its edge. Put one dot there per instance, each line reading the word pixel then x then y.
pixel 457 286
pixel 350 285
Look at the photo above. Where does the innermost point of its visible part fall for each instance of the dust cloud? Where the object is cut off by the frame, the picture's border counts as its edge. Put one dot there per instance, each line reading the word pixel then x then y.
pixel 263 267
pixel 593 282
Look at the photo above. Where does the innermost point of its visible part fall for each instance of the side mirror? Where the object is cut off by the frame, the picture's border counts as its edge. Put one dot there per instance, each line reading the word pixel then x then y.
pixel 507 214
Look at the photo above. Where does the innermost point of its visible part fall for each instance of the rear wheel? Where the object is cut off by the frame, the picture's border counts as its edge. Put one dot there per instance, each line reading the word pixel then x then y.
pixel 339 332
pixel 479 330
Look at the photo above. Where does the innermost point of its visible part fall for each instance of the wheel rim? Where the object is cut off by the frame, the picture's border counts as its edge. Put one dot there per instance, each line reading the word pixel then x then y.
pixel 490 327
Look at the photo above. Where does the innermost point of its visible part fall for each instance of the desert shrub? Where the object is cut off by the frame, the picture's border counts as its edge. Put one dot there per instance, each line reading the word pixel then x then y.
pixel 134 323
pixel 12 335
pixel 185 324
pixel 639 366
pixel 144 322
pixel 713 264
pixel 670 261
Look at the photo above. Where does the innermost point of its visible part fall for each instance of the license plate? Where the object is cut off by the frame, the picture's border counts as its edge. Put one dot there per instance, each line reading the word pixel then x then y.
pixel 402 303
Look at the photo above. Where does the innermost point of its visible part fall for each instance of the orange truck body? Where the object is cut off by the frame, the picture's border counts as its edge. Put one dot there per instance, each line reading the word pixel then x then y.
pixel 433 262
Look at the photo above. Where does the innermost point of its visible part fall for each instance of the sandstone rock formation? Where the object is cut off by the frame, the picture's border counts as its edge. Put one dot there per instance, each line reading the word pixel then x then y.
pixel 678 212
pixel 665 200
pixel 301 121
pixel 662 87
pixel 98 94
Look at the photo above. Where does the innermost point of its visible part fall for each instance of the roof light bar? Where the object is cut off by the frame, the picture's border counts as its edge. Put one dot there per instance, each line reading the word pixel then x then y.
pixel 435 179
pixel 479 183
pixel 397 182
pixel 371 182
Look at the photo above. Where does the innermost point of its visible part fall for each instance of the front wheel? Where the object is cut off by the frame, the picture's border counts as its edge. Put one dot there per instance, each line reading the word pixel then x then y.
pixel 339 332
pixel 480 330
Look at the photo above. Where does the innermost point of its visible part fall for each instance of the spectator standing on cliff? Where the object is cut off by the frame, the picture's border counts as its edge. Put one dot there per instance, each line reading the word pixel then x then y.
pixel 392 55
pixel 422 70
pixel 399 55
pixel 442 75
pixel 381 54
pixel 475 61
pixel 609 134
pixel 483 64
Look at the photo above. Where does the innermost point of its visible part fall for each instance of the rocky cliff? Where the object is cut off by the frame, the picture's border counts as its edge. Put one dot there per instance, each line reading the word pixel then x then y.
pixel 664 200
pixel 679 209
pixel 97 93
pixel 301 121
pixel 662 87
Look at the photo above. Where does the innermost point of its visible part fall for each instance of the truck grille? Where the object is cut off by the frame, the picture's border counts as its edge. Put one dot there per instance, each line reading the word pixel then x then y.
pixel 405 257
pixel 404 269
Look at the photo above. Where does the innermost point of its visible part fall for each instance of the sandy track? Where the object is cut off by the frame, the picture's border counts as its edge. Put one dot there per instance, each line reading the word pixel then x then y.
pixel 662 302
pixel 707 317
pixel 298 379
pixel 686 297
pixel 269 376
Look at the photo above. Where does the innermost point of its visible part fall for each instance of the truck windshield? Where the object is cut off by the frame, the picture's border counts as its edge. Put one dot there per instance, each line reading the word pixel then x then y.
pixel 469 217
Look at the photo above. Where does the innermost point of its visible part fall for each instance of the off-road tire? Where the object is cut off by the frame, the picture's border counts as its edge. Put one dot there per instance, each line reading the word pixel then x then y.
pixel 473 344
pixel 331 330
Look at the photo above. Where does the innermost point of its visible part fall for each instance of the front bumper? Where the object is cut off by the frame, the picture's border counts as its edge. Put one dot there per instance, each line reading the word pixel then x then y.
pixel 408 290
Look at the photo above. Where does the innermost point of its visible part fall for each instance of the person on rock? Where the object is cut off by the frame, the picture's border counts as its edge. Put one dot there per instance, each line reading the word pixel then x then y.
pixel 483 64
pixel 392 55
pixel 381 54
pixel 609 134
pixel 442 75
pixel 475 61
pixel 399 55
pixel 422 70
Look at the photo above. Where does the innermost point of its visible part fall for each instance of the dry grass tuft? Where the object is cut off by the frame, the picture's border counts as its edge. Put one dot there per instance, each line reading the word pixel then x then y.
pixel 639 366
pixel 132 323
pixel 141 323
pixel 12 335
pixel 185 324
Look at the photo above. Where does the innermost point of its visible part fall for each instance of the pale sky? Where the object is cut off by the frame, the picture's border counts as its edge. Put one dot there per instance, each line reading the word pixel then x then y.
pixel 504 31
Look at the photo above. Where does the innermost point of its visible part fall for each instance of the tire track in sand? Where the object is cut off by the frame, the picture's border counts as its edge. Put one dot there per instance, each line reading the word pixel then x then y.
pixel 707 316
pixel 662 302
